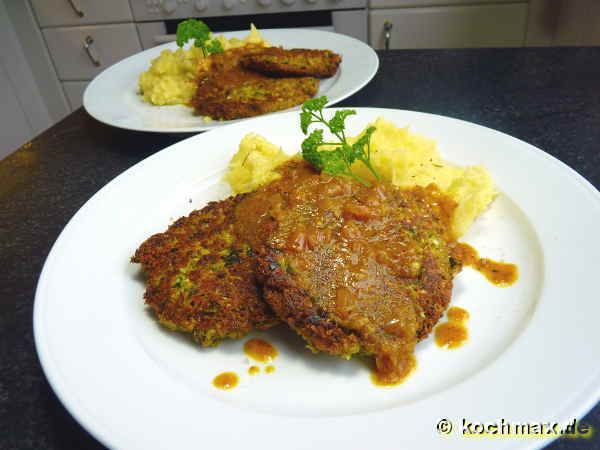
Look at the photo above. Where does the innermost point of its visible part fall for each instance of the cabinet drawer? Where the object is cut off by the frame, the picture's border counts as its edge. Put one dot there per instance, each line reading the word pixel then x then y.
pixel 51 13
pixel 107 45
pixel 74 92
pixel 450 26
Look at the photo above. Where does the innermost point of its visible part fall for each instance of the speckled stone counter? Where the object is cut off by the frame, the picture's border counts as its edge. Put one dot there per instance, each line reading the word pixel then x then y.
pixel 547 97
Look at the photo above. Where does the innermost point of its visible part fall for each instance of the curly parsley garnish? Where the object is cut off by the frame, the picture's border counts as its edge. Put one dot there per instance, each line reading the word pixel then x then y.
pixel 338 157
pixel 200 33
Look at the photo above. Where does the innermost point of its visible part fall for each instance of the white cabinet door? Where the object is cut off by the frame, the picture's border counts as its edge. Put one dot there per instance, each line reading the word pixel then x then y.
pixel 420 3
pixel 74 91
pixel 107 44
pixel 498 25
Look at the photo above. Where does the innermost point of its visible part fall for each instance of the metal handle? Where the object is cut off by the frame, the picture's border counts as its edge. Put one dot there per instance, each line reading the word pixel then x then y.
pixel 387 28
pixel 76 8
pixel 88 41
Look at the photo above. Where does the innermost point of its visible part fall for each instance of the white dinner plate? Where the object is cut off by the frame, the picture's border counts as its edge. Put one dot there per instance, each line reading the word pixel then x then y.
pixel 531 355
pixel 113 98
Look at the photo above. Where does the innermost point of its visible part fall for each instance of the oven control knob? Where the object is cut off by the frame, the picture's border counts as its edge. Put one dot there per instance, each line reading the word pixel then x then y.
pixel 288 2
pixel 201 5
pixel 265 2
pixel 169 6
pixel 229 4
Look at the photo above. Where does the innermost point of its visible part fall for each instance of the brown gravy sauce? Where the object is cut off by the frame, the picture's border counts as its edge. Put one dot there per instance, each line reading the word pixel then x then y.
pixel 226 381
pixel 454 333
pixel 260 350
pixel 457 314
pixel 499 273
pixel 380 379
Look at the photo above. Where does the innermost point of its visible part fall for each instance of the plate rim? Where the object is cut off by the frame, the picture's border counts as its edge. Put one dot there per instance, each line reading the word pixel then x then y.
pixel 368 76
pixel 79 412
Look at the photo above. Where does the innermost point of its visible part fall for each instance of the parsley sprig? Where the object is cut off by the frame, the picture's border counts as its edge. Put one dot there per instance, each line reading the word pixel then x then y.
pixel 200 33
pixel 339 156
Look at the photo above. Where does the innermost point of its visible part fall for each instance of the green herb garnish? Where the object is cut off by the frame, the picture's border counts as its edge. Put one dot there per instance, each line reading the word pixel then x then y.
pixel 200 33
pixel 338 157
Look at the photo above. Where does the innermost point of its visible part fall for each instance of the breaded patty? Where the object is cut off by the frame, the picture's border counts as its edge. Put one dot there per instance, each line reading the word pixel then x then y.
pixel 276 61
pixel 254 97
pixel 199 278
pixel 356 269
pixel 227 91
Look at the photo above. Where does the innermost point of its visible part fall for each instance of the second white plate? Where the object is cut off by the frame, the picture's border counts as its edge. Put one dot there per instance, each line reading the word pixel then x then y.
pixel 112 97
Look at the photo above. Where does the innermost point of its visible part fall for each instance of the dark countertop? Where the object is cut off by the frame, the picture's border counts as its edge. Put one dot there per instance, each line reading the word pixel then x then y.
pixel 548 97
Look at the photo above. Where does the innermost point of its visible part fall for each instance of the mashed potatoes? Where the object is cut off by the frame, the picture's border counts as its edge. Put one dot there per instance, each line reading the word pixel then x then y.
pixel 408 159
pixel 170 80
pixel 253 164
pixel 401 157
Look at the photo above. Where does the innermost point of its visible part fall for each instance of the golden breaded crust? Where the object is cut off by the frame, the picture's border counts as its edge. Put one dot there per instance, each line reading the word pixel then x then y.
pixel 227 91
pixel 295 306
pixel 255 97
pixel 199 278
pixel 276 61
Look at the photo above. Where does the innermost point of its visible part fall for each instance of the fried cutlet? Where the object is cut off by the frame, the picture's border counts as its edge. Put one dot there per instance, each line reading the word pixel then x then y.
pixel 276 61
pixel 227 91
pixel 352 269
pixel 355 269
pixel 254 97
pixel 199 278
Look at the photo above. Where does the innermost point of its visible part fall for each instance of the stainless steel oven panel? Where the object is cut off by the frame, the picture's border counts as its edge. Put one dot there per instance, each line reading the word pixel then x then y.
pixel 155 33
pixel 352 23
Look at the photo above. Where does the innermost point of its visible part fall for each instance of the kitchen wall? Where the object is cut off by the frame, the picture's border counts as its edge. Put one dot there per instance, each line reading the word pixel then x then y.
pixel 563 22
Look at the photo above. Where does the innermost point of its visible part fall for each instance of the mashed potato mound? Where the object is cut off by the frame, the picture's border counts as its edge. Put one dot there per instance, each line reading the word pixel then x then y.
pixel 403 158
pixel 407 159
pixel 253 164
pixel 170 80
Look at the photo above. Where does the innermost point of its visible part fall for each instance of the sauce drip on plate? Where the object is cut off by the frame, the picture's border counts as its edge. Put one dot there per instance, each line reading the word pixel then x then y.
pixel 499 273
pixel 253 370
pixel 226 381
pixel 379 379
pixel 454 333
pixel 260 350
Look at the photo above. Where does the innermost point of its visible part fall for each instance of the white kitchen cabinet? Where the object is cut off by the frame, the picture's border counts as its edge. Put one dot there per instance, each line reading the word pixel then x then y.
pixel 374 4
pixel 106 44
pixel 74 92
pixel 487 25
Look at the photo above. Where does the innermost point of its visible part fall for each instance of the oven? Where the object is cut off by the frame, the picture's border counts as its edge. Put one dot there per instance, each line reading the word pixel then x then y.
pixel 156 20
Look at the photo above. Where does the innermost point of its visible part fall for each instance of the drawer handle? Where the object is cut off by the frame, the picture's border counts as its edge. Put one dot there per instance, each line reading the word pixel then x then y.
pixel 76 8
pixel 387 28
pixel 87 44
